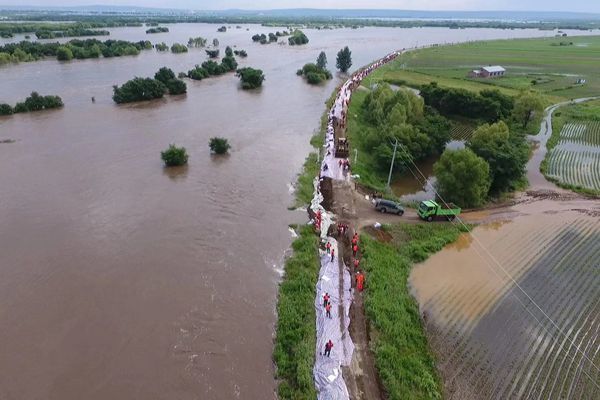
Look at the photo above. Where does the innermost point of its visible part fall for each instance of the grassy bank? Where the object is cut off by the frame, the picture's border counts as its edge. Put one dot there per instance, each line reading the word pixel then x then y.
pixel 586 113
pixel 548 65
pixel 403 359
pixel 294 352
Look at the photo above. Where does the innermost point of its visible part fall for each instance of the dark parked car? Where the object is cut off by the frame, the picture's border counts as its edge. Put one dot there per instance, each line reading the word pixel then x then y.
pixel 388 206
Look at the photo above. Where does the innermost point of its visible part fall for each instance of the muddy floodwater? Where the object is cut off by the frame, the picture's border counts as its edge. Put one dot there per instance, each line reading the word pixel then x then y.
pixel 120 279
pixel 513 309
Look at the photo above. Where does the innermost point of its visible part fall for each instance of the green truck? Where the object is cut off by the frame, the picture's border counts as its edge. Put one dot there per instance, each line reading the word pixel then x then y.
pixel 430 210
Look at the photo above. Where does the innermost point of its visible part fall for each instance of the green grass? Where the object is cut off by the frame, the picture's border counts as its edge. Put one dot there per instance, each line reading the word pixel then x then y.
pixel 554 68
pixel 295 340
pixel 403 359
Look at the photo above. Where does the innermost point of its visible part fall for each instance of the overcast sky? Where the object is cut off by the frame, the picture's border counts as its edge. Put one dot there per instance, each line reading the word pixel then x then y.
pixel 486 5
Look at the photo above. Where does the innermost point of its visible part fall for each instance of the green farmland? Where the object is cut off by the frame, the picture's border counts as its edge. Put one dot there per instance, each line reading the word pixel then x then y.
pixel 573 159
pixel 541 64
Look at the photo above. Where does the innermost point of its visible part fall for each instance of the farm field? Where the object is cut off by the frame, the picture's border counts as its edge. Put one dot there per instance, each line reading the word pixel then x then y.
pixel 541 64
pixel 491 341
pixel 573 159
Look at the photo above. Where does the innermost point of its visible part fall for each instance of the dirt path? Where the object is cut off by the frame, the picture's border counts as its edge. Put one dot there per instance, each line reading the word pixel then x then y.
pixel 361 377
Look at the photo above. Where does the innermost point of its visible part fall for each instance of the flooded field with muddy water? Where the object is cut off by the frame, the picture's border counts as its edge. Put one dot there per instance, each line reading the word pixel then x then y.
pixel 123 280
pixel 512 310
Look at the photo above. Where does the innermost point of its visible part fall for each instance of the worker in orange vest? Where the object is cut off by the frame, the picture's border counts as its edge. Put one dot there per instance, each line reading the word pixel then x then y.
pixel 360 281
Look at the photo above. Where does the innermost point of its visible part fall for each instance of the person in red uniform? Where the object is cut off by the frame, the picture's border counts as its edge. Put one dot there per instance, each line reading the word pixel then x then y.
pixel 328 247
pixel 360 281
pixel 354 250
pixel 325 299
pixel 356 263
pixel 328 347
pixel 332 254
pixel 328 310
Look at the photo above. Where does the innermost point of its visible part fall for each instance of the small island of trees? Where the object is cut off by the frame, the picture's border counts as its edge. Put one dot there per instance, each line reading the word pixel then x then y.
pixel 240 53
pixel 222 29
pixel 143 89
pixel 197 42
pixel 34 102
pixel 161 46
pixel 316 73
pixel 174 156
pixel 158 29
pixel 212 68
pixel 177 48
pixel 298 38
pixel 251 78
pixel 271 38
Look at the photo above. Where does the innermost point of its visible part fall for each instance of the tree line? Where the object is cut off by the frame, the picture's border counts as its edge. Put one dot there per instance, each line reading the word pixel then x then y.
pixel 158 29
pixel 26 51
pixel 35 102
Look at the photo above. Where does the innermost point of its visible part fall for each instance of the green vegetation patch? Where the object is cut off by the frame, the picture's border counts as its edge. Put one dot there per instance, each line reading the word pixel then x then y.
pixel 541 64
pixel 295 338
pixel 403 359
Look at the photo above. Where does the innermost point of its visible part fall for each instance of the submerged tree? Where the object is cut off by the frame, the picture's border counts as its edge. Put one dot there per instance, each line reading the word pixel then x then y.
pixel 344 59
pixel 219 145
pixel 251 78
pixel 322 60
pixel 174 156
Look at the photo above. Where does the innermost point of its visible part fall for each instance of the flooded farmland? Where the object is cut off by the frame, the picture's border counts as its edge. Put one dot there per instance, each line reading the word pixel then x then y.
pixel 122 280
pixel 513 310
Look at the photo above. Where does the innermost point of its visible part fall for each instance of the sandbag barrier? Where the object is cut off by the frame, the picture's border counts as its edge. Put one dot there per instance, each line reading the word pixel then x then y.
pixel 327 371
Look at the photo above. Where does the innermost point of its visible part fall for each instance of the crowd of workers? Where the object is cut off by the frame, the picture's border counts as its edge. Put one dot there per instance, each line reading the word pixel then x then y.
pixel 339 170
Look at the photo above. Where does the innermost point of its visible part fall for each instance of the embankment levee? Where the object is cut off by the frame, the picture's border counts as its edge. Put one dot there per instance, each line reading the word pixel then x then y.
pixel 334 283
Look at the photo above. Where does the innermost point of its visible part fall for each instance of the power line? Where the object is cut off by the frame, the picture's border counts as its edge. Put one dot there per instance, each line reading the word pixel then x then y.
pixel 425 182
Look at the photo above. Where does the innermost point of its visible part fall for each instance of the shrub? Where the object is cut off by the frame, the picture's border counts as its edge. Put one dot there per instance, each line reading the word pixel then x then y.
pixel 241 53
pixel 178 48
pixel 251 78
pixel 219 145
pixel 314 78
pixel 228 51
pixel 222 29
pixel 63 53
pixel 174 156
pixel 20 107
pixel 213 68
pixel 176 86
pixel 298 38
pixel 213 53
pixel 138 89
pixel 198 73
pixel 229 63
pixel 161 46
pixel 164 75
pixel 5 109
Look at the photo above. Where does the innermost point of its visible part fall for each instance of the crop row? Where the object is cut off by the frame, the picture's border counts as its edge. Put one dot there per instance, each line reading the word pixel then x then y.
pixel 579 168
pixel 512 350
pixel 586 132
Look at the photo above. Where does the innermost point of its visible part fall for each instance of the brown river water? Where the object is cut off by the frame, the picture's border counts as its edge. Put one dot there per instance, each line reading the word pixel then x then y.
pixel 122 280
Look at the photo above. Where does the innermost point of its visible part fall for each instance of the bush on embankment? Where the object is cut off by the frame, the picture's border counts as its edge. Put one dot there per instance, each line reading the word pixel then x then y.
pixel 403 359
pixel 295 340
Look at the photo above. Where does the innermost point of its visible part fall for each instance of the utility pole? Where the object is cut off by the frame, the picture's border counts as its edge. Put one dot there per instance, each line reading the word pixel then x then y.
pixel 355 155
pixel 392 164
